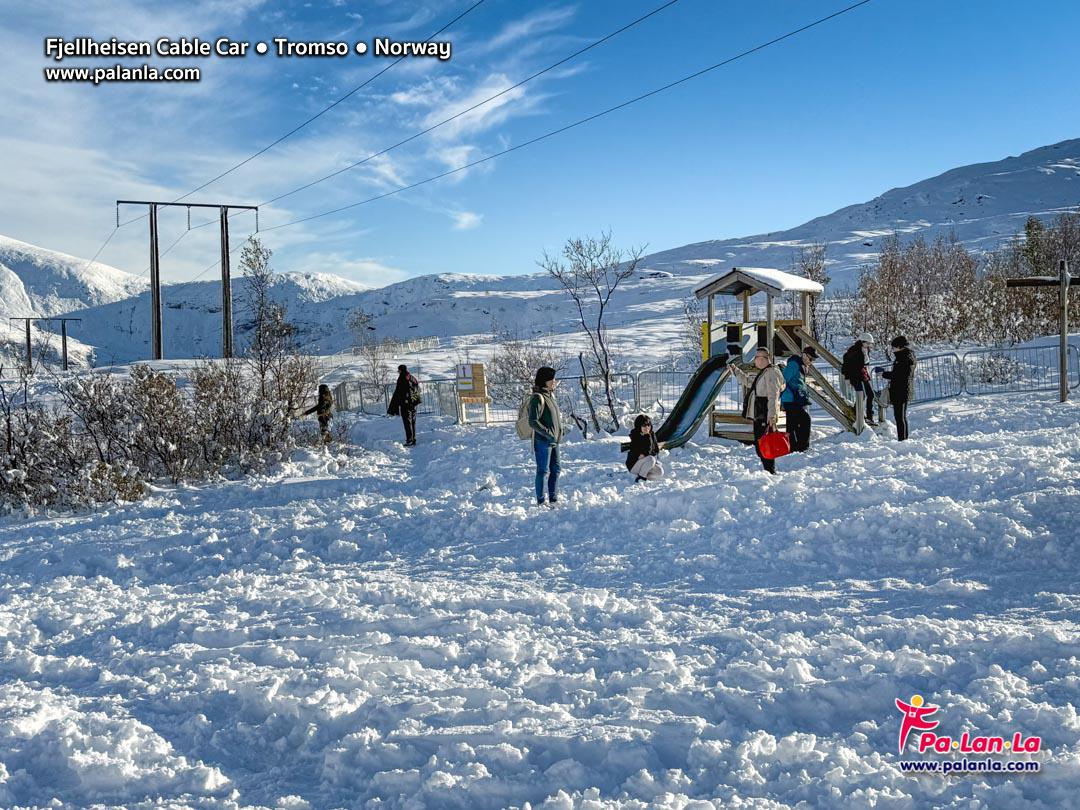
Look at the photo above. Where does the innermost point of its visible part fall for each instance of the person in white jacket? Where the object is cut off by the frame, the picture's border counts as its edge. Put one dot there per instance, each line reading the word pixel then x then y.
pixel 762 401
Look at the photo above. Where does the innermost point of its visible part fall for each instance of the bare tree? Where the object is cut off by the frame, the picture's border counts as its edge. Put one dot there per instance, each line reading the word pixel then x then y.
pixel 374 354
pixel 810 263
pixel 590 271
pixel 283 376
pixel 693 318
pixel 515 360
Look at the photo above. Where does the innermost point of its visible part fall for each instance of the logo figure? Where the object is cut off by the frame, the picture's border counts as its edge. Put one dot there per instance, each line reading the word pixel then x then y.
pixel 915 714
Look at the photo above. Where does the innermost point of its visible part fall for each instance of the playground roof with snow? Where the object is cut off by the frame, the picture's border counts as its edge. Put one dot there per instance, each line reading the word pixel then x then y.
pixel 739 280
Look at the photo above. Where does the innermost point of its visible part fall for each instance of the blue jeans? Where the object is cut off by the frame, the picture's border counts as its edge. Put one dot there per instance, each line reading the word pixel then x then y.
pixel 547 465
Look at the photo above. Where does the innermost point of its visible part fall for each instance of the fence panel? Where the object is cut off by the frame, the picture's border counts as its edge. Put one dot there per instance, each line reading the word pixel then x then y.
pixel 1018 370
pixel 508 396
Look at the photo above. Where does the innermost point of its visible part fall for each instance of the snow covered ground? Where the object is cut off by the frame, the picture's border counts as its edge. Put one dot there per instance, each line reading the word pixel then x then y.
pixel 393 629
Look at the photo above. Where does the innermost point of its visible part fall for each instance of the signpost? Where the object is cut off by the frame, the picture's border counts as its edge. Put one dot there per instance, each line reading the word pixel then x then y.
pixel 1062 282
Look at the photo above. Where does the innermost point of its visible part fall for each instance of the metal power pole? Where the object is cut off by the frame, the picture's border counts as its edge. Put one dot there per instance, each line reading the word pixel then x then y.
pixel 155 287
pixel 226 275
pixel 226 288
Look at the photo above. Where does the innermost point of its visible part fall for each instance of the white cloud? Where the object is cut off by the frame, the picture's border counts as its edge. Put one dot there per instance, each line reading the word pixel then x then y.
pixel 541 22
pixel 466 220
pixel 367 270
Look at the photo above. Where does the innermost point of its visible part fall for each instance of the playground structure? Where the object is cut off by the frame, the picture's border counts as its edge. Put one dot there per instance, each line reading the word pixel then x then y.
pixel 736 342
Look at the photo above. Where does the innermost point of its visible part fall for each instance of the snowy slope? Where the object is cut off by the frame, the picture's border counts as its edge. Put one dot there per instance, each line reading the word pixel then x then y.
pixel 191 316
pixel 401 629
pixel 984 203
pixel 40 282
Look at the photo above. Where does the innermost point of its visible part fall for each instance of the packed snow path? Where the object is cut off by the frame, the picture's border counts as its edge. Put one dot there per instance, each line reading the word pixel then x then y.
pixel 401 628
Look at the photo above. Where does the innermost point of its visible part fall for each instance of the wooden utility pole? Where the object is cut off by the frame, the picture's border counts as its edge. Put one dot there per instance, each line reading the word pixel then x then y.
pixel 1061 281
pixel 155 287
pixel 29 346
pixel 1063 346
pixel 155 270
pixel 63 339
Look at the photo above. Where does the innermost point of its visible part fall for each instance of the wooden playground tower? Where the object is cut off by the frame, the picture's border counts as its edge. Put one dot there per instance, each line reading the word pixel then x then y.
pixel 740 340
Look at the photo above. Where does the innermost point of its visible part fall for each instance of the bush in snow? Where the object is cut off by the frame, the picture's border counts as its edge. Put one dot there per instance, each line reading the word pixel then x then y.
pixel 283 378
pixel 937 293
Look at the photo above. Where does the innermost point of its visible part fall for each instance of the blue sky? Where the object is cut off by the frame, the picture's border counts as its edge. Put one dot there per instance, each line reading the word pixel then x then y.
pixel 884 96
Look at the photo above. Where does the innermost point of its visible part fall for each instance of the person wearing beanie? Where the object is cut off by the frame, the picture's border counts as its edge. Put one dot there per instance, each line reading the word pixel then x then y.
pixel 762 401
pixel 854 368
pixel 796 399
pixel 546 424
pixel 404 401
pixel 901 383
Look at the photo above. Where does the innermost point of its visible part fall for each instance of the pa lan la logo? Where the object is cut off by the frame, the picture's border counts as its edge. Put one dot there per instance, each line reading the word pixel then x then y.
pixel 917 714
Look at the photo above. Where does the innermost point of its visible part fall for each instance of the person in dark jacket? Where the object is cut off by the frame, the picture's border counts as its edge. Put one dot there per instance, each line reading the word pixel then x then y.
pixel 323 409
pixel 641 460
pixel 546 423
pixel 901 383
pixel 796 399
pixel 404 401
pixel 854 369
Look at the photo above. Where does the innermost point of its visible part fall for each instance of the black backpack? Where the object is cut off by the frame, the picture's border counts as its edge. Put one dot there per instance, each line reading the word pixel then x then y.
pixel 414 391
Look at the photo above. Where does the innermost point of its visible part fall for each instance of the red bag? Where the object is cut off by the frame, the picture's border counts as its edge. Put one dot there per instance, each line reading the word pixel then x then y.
pixel 773 445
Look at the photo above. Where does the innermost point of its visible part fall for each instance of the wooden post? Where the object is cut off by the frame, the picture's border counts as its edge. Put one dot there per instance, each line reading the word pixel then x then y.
pixel 29 349
pixel 770 323
pixel 226 288
pixel 1063 361
pixel 746 306
pixel 709 334
pixel 806 312
pixel 155 287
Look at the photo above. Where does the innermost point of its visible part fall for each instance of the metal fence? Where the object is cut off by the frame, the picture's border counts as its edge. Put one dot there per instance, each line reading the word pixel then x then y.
pixel 1018 370
pixel 937 377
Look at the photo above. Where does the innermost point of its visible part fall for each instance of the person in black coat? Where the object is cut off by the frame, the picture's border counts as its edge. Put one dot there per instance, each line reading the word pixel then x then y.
pixel 404 401
pixel 854 369
pixel 323 409
pixel 641 459
pixel 901 383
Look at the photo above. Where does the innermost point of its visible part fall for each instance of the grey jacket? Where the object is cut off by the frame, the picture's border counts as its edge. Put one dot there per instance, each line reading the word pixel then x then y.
pixel 544 416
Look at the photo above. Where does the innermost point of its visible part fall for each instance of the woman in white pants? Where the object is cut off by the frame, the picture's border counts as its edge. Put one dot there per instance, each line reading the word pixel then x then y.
pixel 641 460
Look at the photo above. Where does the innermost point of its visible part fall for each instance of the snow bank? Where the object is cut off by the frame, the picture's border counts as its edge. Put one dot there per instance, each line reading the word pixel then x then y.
pixel 401 629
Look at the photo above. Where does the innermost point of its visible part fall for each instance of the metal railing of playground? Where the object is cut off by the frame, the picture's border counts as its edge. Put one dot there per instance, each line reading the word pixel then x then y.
pixel 937 377
pixel 1018 370
pixel 439 397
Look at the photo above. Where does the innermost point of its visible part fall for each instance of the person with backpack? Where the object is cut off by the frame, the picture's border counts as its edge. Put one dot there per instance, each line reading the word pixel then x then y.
pixel 641 459
pixel 762 400
pixel 323 410
pixel 901 383
pixel 796 399
pixel 540 421
pixel 404 401
pixel 854 370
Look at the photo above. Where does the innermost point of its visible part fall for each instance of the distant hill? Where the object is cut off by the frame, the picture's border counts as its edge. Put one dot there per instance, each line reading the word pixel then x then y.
pixel 41 282
pixel 984 203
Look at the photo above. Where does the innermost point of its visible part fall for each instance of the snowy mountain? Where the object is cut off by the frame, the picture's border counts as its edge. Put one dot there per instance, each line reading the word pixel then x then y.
pixel 39 282
pixel 984 203
pixel 191 316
